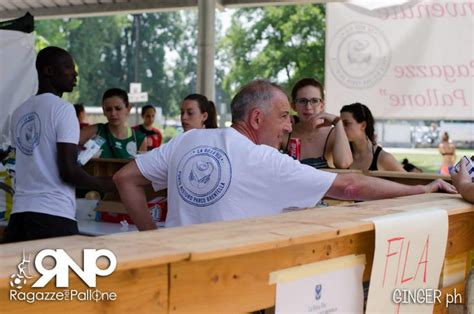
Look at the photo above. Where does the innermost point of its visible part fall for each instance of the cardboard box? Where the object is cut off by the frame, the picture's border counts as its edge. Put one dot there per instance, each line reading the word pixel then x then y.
pixel 111 209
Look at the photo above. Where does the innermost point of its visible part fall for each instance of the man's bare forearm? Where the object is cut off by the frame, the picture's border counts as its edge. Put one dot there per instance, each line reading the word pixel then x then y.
pixel 131 186
pixel 134 199
pixel 362 188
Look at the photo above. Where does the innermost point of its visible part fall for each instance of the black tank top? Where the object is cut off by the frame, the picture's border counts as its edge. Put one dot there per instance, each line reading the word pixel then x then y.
pixel 373 165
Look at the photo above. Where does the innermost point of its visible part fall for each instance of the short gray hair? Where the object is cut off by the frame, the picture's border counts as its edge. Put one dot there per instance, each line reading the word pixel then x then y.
pixel 256 94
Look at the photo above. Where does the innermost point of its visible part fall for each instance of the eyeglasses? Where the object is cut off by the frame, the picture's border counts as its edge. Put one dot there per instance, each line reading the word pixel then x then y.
pixel 304 101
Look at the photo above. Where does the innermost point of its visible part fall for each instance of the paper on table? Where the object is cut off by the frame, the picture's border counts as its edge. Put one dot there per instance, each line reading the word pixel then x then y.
pixel 319 287
pixel 409 254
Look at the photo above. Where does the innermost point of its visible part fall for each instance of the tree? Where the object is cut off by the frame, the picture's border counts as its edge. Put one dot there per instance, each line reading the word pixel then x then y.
pixel 280 43
pixel 104 50
pixel 96 47
pixel 55 33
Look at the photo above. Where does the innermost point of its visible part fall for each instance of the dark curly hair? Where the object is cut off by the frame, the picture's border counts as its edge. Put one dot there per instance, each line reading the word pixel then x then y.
pixel 361 113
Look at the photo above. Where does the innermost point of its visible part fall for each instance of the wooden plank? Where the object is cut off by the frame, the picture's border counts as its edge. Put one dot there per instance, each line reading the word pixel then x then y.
pixel 250 235
pixel 142 290
pixel 410 178
pixel 240 283
pixel 215 261
pixel 11 254
pixel 451 202
pixel 441 308
pixel 193 282
pixel 223 239
pixel 460 234
pixel 132 253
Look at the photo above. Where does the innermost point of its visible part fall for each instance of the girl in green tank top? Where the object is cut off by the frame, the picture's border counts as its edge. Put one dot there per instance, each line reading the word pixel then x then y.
pixel 119 148
pixel 121 141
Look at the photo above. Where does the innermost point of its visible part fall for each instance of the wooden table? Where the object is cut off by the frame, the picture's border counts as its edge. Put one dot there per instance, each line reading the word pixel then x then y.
pixel 224 267
pixel 410 178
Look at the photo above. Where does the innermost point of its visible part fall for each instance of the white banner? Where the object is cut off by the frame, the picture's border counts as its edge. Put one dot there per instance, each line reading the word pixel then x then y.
pixel 414 61
pixel 19 80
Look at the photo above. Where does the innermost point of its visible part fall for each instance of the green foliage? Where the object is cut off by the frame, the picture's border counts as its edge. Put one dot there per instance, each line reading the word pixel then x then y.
pixel 104 49
pixel 170 132
pixel 428 159
pixel 93 44
pixel 280 43
pixel 56 33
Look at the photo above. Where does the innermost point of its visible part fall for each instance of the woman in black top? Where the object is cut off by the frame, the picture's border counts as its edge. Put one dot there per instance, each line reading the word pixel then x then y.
pixel 323 140
pixel 367 154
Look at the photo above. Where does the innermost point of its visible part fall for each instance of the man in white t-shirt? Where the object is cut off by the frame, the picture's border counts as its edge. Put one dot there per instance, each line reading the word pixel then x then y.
pixel 237 172
pixel 45 134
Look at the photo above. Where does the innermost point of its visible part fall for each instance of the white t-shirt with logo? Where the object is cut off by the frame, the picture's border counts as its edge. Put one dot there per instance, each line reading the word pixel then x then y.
pixel 219 174
pixel 37 126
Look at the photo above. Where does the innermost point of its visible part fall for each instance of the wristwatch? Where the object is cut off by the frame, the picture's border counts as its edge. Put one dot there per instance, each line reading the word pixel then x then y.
pixel 335 121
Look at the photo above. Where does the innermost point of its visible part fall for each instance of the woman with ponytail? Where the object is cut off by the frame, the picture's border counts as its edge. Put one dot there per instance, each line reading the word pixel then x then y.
pixel 367 154
pixel 197 112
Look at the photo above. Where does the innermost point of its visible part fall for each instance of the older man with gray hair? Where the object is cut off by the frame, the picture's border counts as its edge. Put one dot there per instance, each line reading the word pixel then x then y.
pixel 238 172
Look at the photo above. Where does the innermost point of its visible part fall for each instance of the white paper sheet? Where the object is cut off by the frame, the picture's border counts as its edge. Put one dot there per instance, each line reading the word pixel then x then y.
pixel 409 255
pixel 332 286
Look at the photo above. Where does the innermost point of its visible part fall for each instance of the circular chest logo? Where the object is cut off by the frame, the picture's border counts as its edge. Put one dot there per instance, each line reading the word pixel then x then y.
pixel 131 148
pixel 203 176
pixel 359 55
pixel 28 131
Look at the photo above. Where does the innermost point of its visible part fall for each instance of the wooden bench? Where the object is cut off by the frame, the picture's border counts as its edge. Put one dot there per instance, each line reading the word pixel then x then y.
pixel 224 267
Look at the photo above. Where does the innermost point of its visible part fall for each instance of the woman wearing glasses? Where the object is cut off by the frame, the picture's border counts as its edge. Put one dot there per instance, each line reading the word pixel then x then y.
pixel 323 140
pixel 368 155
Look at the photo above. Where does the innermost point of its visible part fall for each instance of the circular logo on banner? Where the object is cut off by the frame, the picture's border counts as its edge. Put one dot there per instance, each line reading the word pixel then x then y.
pixel 359 55
pixel 203 175
pixel 28 131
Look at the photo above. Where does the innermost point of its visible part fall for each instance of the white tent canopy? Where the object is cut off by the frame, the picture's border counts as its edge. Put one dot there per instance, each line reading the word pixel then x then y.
pixel 79 8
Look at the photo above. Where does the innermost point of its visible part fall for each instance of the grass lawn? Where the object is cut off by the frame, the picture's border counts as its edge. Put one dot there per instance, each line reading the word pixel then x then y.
pixel 427 159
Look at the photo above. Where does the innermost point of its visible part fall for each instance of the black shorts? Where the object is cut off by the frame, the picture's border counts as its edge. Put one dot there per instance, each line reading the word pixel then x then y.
pixel 33 226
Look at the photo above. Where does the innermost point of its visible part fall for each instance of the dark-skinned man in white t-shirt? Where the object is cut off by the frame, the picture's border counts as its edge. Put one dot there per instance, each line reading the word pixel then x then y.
pixel 45 134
